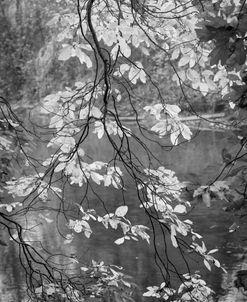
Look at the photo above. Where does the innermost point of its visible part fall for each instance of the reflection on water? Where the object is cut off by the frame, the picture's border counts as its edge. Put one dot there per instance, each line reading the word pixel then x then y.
pixel 197 161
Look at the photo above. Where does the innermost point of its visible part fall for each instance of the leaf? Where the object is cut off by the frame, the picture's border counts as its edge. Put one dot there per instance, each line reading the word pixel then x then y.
pixel 95 112
pixel 206 199
pixel 9 208
pixel 204 88
pixel 124 47
pixel 193 75
pixel 172 110
pixel 207 264
pixel 121 211
pixel 83 57
pixel 50 290
pixel 199 191
pixel 96 177
pixel 114 223
pixel 174 137
pixel 66 53
pixel 119 241
pixel 125 227
pixel 84 269
pixel 233 227
pixel 217 263
pixel 151 291
pixel 173 234
pixel 174 241
pixel 123 68
pixel 175 53
pixel 107 180
pixel 87 229
pixel 212 251
pixel 60 167
pixel 185 131
pixel 78 228
pixel 115 182
pixel 39 290
pixel 184 61
pixel 180 209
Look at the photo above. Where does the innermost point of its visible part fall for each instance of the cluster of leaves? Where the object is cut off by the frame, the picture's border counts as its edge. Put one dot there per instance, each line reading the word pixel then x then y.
pixel 109 282
pixel 192 289
pixel 114 220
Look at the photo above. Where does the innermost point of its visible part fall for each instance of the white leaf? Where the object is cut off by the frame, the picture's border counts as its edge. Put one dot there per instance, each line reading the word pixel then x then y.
pixel 160 127
pixel 174 241
pixel 174 137
pixel 95 112
pixel 180 209
pixel 125 49
pixel 78 228
pixel 188 221
pixel 173 234
pixel 60 167
pixel 184 61
pixel 121 211
pixel 115 183
pixel 207 264
pixel 193 75
pixel 84 113
pixel 213 251
pixel 173 110
pixel 83 57
pixel 142 76
pixel 99 129
pixel 185 131
pixel 87 229
pixel 216 263
pixel 66 53
pixel 204 88
pixel 123 68
pixel 119 241
pixel 50 290
pixel 233 227
pixel 84 269
pixel 125 227
pixel 175 54
pixel 9 208
pixel 206 199
pixel 87 233
pixel 39 290
pixel 96 177
pixel 114 223
pixel 107 180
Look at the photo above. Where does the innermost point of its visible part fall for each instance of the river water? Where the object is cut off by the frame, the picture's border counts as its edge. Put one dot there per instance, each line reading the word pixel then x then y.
pixel 197 161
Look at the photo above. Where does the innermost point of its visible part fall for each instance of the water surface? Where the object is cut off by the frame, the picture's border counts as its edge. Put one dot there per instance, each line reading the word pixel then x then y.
pixel 197 161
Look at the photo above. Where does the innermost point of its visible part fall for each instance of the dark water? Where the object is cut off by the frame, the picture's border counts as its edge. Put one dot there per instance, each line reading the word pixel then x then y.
pixel 197 161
